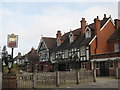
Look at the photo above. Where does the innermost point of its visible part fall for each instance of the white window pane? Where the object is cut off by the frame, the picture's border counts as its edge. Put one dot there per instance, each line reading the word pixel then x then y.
pixel 116 47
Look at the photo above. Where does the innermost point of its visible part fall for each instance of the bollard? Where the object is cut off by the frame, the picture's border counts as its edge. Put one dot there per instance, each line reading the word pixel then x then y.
pixel 33 80
pixel 57 79
pixel 117 73
pixel 94 75
pixel 9 81
pixel 77 77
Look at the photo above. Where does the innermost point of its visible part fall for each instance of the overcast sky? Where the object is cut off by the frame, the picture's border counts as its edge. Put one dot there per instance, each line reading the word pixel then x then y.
pixel 30 19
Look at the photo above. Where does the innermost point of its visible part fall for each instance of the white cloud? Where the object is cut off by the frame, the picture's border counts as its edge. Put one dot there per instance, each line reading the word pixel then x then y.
pixel 30 27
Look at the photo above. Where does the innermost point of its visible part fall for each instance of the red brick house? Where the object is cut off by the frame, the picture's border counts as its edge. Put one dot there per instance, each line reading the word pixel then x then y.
pixel 88 47
pixel 108 58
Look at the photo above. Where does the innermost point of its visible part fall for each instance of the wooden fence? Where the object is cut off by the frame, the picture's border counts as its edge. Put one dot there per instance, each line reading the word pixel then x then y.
pixel 53 79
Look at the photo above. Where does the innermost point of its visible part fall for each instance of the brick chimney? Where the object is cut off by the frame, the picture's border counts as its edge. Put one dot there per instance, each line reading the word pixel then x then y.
pixel 19 54
pixel 58 34
pixel 32 50
pixel 104 16
pixel 117 23
pixel 97 25
pixel 83 25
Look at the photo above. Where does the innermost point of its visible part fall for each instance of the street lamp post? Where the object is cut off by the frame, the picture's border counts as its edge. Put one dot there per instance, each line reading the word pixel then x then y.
pixel 4 57
pixel 10 63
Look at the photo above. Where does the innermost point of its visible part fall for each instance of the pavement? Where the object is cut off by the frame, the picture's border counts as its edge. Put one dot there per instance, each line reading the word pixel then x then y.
pixel 102 82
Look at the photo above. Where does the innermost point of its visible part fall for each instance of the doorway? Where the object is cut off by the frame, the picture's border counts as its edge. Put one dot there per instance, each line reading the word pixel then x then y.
pixel 104 68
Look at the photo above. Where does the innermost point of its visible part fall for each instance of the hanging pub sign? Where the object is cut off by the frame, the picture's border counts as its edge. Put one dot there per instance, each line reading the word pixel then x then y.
pixel 12 41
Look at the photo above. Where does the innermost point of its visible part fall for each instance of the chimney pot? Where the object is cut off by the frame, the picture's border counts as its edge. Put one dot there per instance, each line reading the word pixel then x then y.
pixel 83 19
pixel 110 16
pixel 58 34
pixel 104 16
pixel 19 54
pixel 97 17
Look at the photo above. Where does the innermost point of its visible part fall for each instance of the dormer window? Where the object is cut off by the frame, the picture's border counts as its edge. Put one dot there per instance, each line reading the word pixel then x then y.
pixel 116 47
pixel 87 32
pixel 71 38
pixel 58 41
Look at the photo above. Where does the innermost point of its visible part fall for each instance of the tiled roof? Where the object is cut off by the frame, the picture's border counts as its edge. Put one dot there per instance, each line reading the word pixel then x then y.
pixel 92 26
pixel 19 57
pixel 81 40
pixel 104 21
pixel 115 35
pixel 33 52
pixel 75 32
pixel 32 57
pixel 86 41
pixel 50 42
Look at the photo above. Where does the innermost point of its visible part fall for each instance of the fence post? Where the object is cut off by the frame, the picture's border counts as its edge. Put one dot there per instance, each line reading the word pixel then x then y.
pixel 77 76
pixel 32 80
pixel 57 79
pixel 94 75
pixel 117 73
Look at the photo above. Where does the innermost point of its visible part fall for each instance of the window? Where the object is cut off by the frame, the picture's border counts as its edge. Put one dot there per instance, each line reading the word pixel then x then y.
pixel 44 55
pixel 111 64
pixel 88 33
pixel 52 56
pixel 82 50
pixel 66 53
pixel 71 38
pixel 60 55
pixel 97 65
pixel 58 41
pixel 84 65
pixel 116 47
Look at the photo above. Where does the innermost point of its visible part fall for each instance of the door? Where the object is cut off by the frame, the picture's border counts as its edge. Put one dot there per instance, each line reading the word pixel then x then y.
pixel 104 68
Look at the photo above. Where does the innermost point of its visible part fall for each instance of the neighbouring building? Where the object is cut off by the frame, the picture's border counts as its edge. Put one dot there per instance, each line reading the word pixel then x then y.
pixel 45 48
pixel 28 62
pixel 93 46
pixel 106 62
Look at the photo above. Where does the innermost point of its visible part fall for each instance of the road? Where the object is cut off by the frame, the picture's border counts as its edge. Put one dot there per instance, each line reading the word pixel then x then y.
pixel 102 82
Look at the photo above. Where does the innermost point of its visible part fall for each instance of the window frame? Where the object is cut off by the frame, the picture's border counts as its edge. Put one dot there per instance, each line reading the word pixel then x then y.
pixel 83 66
pixel 116 47
pixel 82 50
pixel 97 65
pixel 87 32
pixel 111 61
pixel 71 37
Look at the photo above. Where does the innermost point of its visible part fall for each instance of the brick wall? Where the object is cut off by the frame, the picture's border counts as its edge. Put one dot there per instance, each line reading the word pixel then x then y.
pixel 100 43
pixel 103 37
